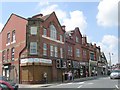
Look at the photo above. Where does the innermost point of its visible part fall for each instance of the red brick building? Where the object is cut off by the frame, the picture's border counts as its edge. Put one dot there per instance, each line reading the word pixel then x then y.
pixel 13 38
pixel 38 48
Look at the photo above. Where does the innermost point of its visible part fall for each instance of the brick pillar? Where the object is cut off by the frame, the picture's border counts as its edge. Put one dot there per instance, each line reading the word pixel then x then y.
pixel 54 72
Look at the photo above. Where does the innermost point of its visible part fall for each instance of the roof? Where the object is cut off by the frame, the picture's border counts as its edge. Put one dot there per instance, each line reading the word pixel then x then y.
pixel 10 18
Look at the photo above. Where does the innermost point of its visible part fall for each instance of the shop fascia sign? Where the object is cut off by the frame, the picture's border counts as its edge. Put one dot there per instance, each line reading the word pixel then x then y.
pixel 93 62
pixel 36 60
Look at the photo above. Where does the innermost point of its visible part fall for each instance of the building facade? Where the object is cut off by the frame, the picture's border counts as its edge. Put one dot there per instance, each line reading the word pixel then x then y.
pixel 12 44
pixel 39 50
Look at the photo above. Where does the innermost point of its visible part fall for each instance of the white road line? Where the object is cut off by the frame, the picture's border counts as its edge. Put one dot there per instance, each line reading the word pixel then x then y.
pixel 90 83
pixel 80 86
pixel 80 82
pixel 117 86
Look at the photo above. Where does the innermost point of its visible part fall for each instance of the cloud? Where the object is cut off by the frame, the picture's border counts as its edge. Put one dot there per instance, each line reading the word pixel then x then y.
pixel 77 19
pixel 109 44
pixel 48 9
pixel 108 13
pixel 1 27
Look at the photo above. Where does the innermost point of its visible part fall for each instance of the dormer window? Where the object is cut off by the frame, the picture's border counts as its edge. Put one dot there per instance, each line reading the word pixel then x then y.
pixel 53 32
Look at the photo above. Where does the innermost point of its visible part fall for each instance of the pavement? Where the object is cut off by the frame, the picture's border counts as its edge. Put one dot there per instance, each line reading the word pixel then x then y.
pixel 56 83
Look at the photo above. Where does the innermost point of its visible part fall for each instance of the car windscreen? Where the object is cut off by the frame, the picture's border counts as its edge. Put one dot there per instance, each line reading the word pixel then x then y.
pixel 116 71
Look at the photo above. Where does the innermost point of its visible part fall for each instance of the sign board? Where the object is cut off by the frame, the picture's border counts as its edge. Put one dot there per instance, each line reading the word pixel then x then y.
pixel 36 60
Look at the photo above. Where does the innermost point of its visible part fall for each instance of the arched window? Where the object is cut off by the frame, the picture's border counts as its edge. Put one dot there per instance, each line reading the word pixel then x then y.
pixel 53 32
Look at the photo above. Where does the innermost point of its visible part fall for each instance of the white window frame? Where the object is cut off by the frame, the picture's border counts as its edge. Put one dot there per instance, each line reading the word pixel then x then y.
pixel 77 40
pixel 61 38
pixel 61 52
pixel 77 52
pixel 53 32
pixel 45 32
pixel 51 51
pixel 8 38
pixel 13 54
pixel 44 49
pixel 56 51
pixel 13 36
pixel 33 30
pixel 33 48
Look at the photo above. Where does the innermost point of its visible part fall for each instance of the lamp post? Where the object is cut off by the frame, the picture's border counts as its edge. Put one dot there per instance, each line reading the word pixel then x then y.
pixel 110 60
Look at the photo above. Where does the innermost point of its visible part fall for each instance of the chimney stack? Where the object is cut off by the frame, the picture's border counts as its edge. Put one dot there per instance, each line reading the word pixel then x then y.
pixel 63 27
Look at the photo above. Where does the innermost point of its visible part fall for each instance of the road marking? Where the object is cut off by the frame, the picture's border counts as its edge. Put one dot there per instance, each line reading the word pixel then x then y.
pixel 117 86
pixel 80 86
pixel 90 83
pixel 81 82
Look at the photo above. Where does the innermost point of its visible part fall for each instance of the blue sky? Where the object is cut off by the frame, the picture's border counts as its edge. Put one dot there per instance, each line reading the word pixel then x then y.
pixel 104 33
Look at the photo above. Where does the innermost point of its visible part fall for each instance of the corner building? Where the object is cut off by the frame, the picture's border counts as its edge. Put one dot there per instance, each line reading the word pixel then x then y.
pixel 44 48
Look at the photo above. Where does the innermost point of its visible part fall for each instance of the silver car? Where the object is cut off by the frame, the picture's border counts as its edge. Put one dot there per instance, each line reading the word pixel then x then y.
pixel 115 74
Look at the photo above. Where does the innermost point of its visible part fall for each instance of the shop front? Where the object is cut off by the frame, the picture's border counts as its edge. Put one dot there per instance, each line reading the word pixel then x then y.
pixel 35 70
pixel 84 69
pixel 76 70
pixel 93 68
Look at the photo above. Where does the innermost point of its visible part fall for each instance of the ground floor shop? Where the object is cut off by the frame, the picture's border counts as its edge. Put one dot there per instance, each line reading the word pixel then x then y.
pixel 93 68
pixel 10 71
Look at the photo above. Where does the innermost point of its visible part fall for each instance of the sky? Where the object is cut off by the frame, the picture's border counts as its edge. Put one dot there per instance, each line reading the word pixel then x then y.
pixel 98 20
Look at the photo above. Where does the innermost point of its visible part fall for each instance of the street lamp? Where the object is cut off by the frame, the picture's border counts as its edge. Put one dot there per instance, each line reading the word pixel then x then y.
pixel 110 60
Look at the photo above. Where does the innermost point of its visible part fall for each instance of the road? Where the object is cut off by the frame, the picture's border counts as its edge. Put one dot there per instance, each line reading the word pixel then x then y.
pixel 105 82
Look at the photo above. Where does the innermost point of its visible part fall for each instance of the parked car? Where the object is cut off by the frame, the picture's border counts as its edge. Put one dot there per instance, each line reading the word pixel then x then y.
pixel 5 85
pixel 115 74
pixel 11 82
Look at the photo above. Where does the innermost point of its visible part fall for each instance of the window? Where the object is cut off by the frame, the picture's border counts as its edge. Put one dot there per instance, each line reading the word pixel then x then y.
pixel 77 39
pixel 53 32
pixel 45 32
pixel 84 53
pixel 33 47
pixel 44 49
pixel 56 51
pixel 7 54
pixel 12 54
pixel 51 50
pixel 61 38
pixel 91 56
pixel 33 30
pixel 13 36
pixel 8 38
pixel 70 51
pixel 61 52
pixel 3 56
pixel 77 53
